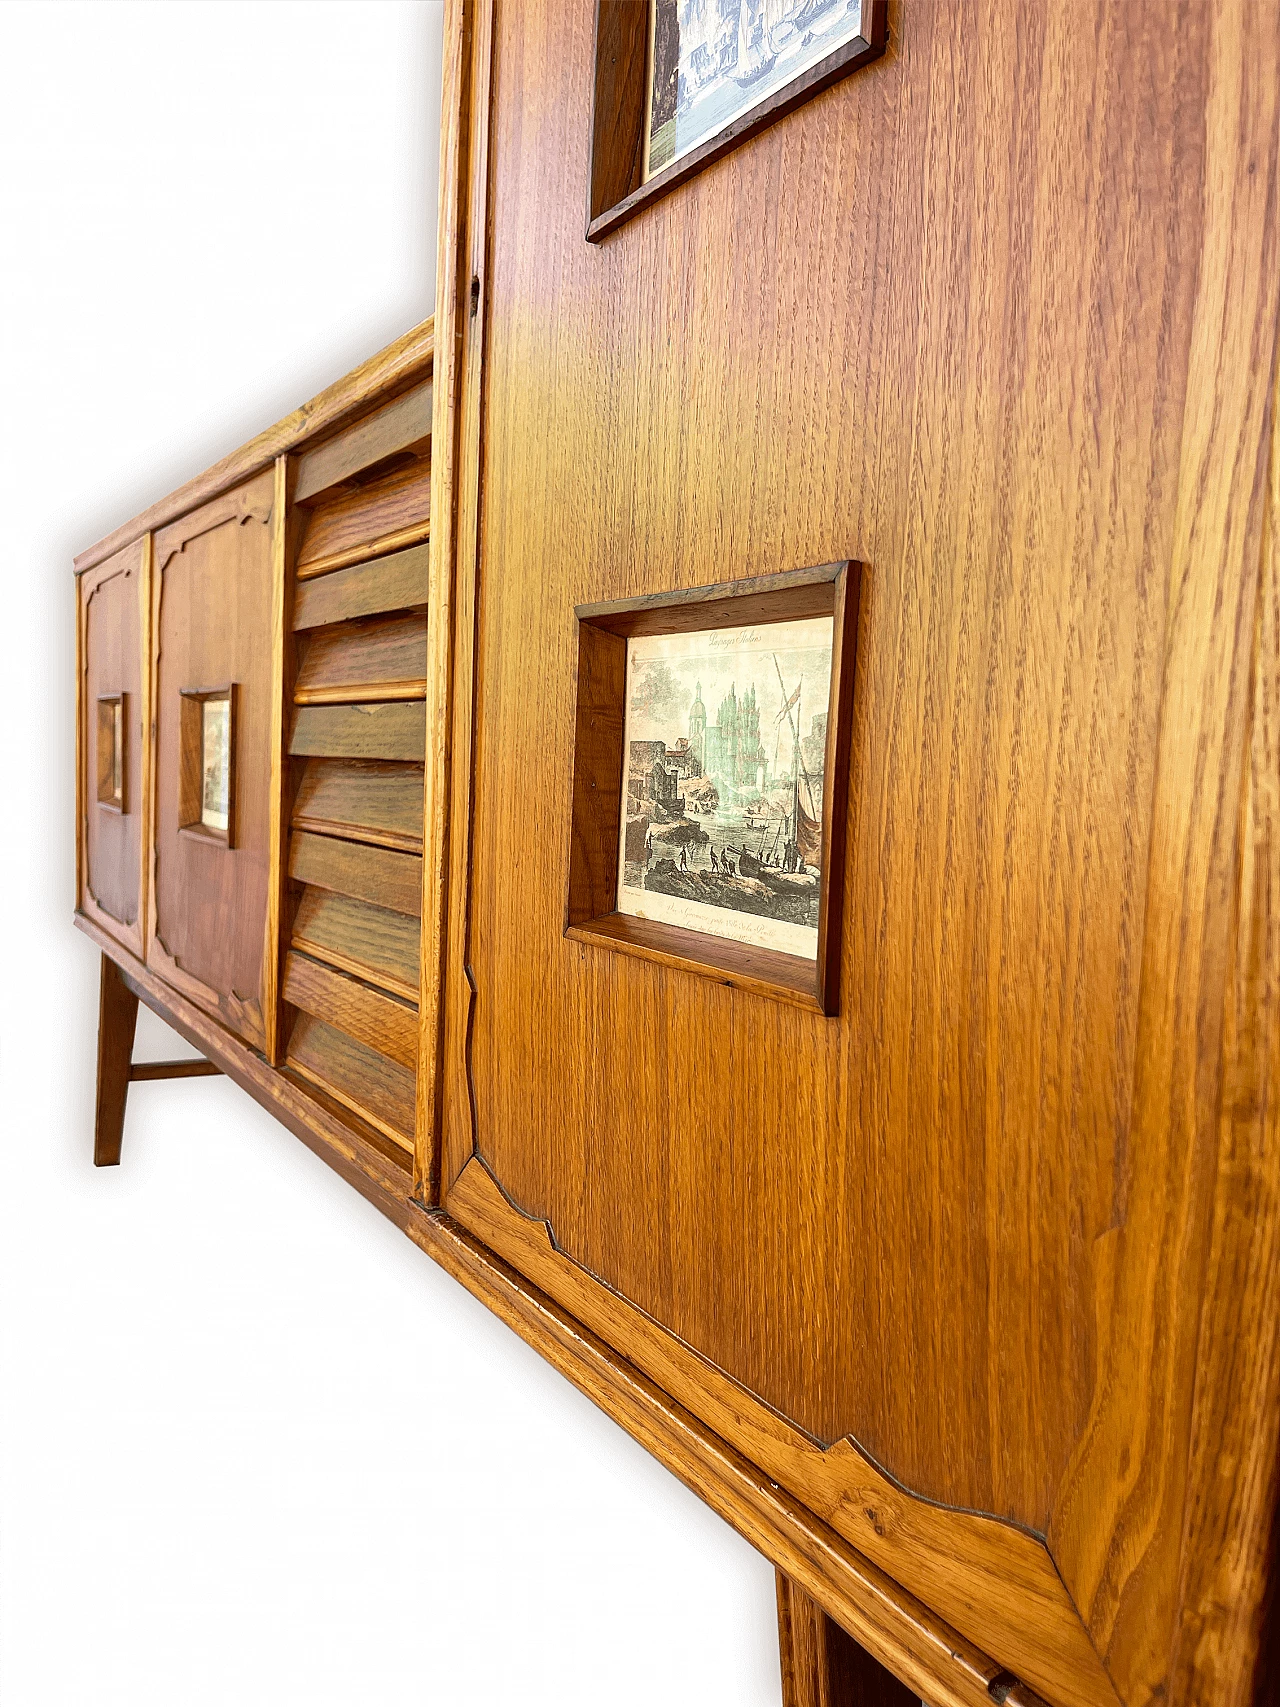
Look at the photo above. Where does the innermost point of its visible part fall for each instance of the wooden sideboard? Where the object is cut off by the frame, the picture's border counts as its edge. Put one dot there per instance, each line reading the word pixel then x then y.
pixel 953 1288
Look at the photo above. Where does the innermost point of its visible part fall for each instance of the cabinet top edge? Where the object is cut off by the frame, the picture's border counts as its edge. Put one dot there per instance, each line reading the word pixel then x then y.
pixel 404 360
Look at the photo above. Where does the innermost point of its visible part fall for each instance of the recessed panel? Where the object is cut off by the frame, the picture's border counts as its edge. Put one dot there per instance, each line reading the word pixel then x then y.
pixel 213 763
pixel 111 599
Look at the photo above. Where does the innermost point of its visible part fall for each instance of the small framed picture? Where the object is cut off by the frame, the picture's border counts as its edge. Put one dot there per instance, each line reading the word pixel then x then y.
pixel 113 724
pixel 711 782
pixel 712 66
pixel 207 777
pixel 679 82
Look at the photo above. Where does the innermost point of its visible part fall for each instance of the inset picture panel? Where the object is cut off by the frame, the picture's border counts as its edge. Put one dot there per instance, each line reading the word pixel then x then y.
pixel 207 791
pixel 112 740
pixel 710 780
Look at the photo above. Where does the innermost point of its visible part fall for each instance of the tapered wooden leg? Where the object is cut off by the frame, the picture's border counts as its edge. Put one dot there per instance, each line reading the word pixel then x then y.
pixel 824 1667
pixel 117 1022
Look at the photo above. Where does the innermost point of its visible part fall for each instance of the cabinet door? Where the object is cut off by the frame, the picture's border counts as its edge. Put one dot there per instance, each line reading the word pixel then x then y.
pixel 212 619
pixel 112 620
pixel 932 1264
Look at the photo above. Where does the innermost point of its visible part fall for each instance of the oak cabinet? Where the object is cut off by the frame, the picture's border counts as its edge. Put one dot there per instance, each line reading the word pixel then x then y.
pixel 956 1294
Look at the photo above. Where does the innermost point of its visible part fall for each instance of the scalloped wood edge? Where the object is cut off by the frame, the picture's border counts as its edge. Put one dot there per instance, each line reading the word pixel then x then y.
pixel 993 1580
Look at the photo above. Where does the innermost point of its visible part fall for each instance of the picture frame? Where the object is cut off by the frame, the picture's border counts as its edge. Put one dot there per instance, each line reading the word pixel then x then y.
pixel 113 752
pixel 207 771
pixel 626 44
pixel 602 906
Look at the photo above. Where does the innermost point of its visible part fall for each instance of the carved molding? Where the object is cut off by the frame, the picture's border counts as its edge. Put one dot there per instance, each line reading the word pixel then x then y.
pixel 993 1579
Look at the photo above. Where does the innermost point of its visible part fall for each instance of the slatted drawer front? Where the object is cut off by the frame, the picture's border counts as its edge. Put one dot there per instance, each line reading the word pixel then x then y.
pixel 363 800
pixel 378 945
pixel 395 731
pixel 388 1024
pixel 375 658
pixel 358 744
pixel 364 1080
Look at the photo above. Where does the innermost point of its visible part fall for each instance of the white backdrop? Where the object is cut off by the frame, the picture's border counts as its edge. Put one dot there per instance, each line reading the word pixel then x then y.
pixel 254 1447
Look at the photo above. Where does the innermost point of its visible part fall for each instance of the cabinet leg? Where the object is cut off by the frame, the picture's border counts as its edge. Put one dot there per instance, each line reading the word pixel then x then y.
pixel 824 1667
pixel 117 1022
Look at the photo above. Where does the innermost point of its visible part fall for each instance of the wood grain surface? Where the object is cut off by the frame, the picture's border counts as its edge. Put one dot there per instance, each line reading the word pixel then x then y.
pixel 824 1667
pixel 379 1021
pixel 112 619
pixel 365 873
pixel 376 944
pixel 1228 1629
pixel 461 281
pixel 382 657
pixel 961 1302
pixel 388 731
pixel 914 1642
pixel 117 1025
pixel 362 800
pixel 348 522
pixel 358 1077
pixel 397 582
pixel 997 317
pixel 213 615
pixel 394 428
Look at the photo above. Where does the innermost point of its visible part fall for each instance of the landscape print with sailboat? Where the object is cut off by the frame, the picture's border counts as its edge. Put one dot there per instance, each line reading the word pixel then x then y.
pixel 713 61
pixel 726 736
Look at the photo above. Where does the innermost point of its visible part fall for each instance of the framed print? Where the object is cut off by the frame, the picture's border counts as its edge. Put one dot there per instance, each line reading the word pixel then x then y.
pixel 722 810
pixel 712 65
pixel 680 82
pixel 112 748
pixel 711 779
pixel 207 782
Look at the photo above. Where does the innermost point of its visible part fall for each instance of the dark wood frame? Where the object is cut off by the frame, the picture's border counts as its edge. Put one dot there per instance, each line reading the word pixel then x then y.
pixel 191 771
pixel 616 187
pixel 106 729
pixel 591 914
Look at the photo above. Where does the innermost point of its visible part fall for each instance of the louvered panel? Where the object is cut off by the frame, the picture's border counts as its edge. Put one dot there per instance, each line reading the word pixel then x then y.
pixel 398 582
pixel 379 1090
pixel 366 874
pixel 393 730
pixel 379 1021
pixel 403 424
pixel 362 800
pixel 374 659
pixel 372 942
pixel 361 521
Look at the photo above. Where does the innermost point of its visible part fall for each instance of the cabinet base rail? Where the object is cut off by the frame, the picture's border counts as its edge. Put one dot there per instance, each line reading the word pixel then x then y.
pixel 832 1590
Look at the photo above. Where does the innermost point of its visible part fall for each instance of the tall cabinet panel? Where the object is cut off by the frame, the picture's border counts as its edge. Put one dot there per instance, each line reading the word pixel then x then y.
pixel 930 1258
pixel 113 611
pixel 212 616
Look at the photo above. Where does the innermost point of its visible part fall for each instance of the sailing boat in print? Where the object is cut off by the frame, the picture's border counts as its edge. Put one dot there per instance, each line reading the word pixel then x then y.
pixel 796 839
pixel 756 58
pixel 717 835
